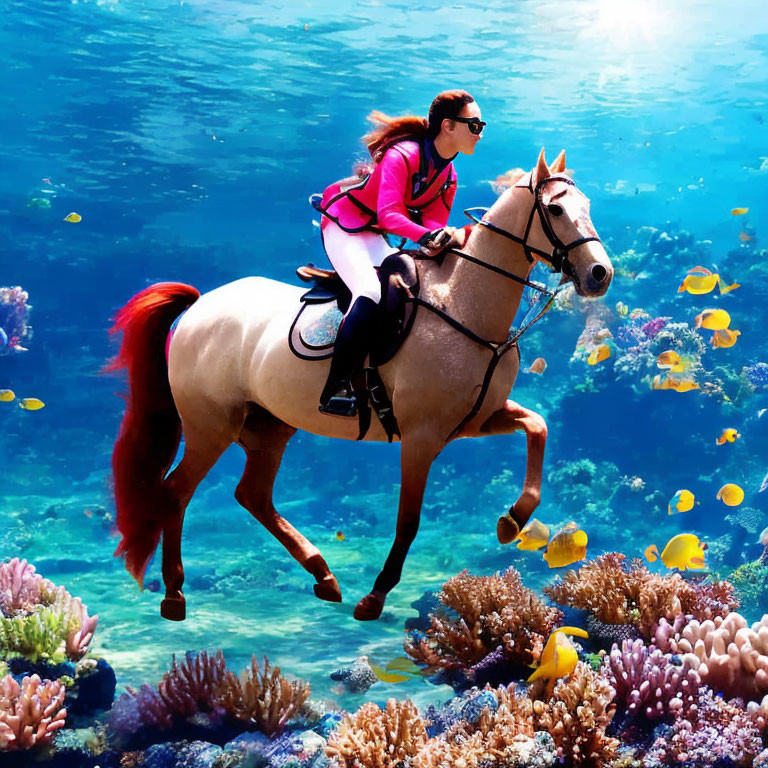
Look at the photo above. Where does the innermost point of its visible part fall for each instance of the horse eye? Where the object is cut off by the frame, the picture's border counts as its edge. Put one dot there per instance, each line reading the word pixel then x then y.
pixel 555 209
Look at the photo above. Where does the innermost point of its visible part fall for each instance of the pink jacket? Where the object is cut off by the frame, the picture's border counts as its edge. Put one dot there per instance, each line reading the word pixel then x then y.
pixel 404 195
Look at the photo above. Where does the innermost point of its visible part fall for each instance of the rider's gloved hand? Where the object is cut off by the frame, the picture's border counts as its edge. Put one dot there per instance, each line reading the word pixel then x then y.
pixel 438 240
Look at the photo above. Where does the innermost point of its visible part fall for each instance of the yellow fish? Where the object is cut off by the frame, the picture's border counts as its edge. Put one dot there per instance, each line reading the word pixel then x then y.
pixel 534 535
pixel 539 365
pixel 729 436
pixel 724 338
pixel 679 385
pixel 598 354
pixel 682 501
pixel 388 677
pixel 622 309
pixel 713 319
pixel 566 547
pixel 699 284
pixel 340 536
pixel 683 551
pixel 739 211
pixel 31 404
pixel 670 360
pixel 73 218
pixel 559 657
pixel 6 395
pixel 731 495
pixel 403 664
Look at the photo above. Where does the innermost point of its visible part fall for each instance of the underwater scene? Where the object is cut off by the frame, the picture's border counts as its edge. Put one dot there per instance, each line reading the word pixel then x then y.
pixel 608 607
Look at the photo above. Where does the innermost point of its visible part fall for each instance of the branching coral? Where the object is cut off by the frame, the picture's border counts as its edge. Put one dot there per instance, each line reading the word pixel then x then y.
pixel 30 713
pixel 492 611
pixel 263 698
pixel 580 709
pixel 376 738
pixel 619 593
pixel 21 588
pixel 729 656
pixel 647 683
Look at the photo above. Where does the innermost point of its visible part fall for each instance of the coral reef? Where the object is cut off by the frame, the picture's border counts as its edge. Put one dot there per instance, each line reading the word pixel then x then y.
pixel 580 709
pixel 493 612
pixel 617 592
pixel 751 583
pixel 377 738
pixel 14 317
pixel 730 656
pixel 39 620
pixel 647 682
pixel 30 713
pixel 262 698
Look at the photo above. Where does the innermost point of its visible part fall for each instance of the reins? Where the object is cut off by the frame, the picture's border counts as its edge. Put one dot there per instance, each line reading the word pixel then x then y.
pixel 559 261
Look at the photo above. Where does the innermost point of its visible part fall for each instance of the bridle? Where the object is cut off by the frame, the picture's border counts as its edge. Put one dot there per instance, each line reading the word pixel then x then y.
pixel 558 259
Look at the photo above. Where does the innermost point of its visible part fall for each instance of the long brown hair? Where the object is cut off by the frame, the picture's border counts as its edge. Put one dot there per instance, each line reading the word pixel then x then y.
pixel 390 130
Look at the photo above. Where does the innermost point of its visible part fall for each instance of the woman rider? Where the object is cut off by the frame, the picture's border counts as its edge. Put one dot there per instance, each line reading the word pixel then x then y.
pixel 407 191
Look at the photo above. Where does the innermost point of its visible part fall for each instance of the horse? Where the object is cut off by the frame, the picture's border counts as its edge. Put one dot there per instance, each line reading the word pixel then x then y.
pixel 227 375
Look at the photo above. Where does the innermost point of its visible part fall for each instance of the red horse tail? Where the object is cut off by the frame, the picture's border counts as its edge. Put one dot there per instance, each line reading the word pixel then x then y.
pixel 151 429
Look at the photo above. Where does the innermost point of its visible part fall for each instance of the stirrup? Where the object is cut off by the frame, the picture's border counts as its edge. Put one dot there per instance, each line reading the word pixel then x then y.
pixel 343 403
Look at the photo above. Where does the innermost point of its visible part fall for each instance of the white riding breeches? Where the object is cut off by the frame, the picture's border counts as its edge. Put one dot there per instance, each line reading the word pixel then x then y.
pixel 354 256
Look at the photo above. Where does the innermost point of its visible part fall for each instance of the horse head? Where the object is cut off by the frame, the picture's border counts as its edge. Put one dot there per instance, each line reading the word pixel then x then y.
pixel 549 216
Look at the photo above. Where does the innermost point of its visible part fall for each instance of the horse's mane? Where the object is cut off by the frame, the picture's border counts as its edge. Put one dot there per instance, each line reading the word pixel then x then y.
pixel 507 180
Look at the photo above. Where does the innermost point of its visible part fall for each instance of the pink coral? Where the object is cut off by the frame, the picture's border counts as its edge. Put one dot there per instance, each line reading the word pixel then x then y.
pixel 730 656
pixel 82 630
pixel 30 713
pixel 21 588
pixel 647 683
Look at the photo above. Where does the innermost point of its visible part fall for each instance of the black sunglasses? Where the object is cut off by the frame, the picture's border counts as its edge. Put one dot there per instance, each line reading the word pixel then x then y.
pixel 475 124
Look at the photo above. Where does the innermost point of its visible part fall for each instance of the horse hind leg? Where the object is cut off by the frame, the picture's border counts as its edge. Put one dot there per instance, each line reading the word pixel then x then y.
pixel 264 438
pixel 203 446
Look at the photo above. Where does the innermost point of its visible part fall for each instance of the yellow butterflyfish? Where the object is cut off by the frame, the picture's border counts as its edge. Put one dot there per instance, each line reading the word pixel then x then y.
pixel 31 404
pixel 713 319
pixel 725 338
pixel 598 354
pixel 670 360
pixel 699 284
pixel 559 657
pixel 6 395
pixel 678 385
pixel 683 551
pixel 739 211
pixel 729 436
pixel 567 547
pixel 534 535
pixel 73 218
pixel 731 495
pixel 340 536
pixel 682 501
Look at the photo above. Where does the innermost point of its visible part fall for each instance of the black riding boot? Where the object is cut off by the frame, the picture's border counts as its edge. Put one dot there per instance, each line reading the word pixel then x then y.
pixel 352 344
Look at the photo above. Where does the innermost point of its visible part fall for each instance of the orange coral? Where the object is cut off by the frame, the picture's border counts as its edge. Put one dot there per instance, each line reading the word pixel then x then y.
pixel 264 698
pixel 376 738
pixel 580 709
pixel 492 611
pixel 619 593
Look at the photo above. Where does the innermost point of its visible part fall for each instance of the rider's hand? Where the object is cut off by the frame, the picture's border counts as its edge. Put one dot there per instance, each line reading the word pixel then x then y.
pixel 438 240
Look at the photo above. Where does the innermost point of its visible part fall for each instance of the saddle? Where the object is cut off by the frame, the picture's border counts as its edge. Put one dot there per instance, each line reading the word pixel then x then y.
pixel 323 306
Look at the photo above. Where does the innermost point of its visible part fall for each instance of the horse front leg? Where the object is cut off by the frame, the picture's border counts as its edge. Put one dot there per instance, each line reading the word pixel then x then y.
pixel 416 457
pixel 511 418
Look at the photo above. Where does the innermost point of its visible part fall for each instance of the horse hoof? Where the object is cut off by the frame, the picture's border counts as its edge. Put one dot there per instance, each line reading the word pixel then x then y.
pixel 507 528
pixel 369 608
pixel 328 589
pixel 174 608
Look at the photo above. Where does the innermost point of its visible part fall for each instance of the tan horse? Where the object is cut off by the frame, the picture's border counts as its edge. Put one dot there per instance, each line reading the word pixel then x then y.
pixel 231 377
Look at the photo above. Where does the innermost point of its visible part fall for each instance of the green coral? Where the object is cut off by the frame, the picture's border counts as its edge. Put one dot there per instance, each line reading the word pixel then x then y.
pixel 751 582
pixel 35 636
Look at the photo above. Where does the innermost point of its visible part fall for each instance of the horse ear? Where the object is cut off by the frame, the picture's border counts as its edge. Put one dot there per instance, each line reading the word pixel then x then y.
pixel 558 164
pixel 541 171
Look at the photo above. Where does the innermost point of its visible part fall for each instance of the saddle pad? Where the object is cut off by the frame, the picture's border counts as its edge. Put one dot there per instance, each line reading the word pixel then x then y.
pixel 314 330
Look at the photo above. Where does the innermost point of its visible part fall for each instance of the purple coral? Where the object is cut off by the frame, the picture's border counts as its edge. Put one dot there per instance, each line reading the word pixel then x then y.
pixel 712 732
pixel 652 327
pixel 21 588
pixel 30 713
pixel 647 681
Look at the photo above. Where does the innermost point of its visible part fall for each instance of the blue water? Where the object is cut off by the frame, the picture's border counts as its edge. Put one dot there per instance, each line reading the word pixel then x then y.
pixel 189 135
